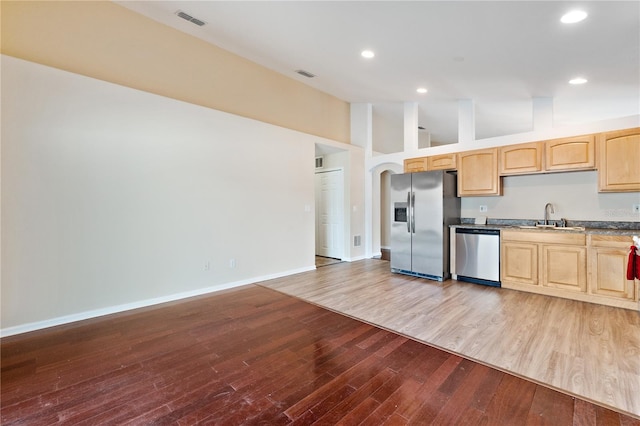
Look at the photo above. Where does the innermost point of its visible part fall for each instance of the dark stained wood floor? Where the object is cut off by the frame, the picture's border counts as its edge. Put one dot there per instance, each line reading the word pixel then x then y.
pixel 256 356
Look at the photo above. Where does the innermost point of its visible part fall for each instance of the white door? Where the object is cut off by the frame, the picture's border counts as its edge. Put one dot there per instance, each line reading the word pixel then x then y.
pixel 329 214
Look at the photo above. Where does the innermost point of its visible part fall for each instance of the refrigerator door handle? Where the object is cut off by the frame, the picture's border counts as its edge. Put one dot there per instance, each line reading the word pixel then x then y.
pixel 409 212
pixel 413 212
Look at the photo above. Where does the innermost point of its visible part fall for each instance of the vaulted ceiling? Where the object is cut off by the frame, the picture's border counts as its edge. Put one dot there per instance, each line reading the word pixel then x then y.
pixel 500 54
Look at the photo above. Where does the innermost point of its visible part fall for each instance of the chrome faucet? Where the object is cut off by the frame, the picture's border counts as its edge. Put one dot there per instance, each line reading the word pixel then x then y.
pixel 547 207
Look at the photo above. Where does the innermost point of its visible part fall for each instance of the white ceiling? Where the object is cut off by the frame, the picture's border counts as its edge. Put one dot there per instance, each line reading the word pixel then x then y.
pixel 500 54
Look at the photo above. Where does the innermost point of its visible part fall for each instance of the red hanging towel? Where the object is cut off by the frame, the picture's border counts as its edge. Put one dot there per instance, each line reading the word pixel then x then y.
pixel 633 271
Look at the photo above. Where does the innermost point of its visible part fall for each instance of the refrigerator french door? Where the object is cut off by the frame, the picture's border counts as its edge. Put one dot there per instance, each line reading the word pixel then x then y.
pixel 423 206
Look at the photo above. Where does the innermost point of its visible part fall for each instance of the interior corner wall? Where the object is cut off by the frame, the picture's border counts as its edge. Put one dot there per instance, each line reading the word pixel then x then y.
pixel 112 196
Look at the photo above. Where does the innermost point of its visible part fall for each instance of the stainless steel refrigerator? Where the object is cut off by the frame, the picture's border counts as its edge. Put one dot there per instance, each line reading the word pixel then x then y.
pixel 423 206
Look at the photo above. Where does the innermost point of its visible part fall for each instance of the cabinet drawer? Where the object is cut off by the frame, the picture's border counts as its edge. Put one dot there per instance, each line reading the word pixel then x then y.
pixel 558 237
pixel 613 241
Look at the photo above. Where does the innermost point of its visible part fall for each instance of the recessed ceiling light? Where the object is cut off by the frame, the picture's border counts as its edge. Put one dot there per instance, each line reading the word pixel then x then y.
pixel 573 16
pixel 368 54
pixel 421 90
pixel 578 80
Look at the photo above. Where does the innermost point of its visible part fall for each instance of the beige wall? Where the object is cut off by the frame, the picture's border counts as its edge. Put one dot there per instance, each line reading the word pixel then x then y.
pixel 114 198
pixel 109 42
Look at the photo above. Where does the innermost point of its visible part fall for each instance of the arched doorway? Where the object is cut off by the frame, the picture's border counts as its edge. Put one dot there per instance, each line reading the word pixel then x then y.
pixel 381 208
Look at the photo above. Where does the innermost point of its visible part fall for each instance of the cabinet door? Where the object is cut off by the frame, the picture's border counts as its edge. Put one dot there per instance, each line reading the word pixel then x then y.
pixel 608 273
pixel 413 165
pixel 570 153
pixel 618 161
pixel 478 173
pixel 564 267
pixel 519 263
pixel 442 162
pixel 522 158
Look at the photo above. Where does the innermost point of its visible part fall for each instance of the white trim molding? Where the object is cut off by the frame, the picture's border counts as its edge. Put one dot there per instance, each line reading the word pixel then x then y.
pixel 68 319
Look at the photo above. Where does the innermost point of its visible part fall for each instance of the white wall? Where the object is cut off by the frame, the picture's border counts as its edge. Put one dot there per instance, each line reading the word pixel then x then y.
pixel 114 198
pixel 574 196
pixel 351 162
pixel 388 127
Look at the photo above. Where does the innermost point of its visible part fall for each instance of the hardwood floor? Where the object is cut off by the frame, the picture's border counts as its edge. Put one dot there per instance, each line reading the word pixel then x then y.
pixel 583 349
pixel 256 356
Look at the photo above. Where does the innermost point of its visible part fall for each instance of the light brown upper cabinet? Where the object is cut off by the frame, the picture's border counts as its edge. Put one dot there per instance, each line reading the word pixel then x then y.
pixel 521 159
pixel 412 165
pixel 619 161
pixel 478 173
pixel 442 162
pixel 575 153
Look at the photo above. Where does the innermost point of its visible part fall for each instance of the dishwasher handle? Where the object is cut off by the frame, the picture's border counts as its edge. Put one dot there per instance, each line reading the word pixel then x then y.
pixel 477 231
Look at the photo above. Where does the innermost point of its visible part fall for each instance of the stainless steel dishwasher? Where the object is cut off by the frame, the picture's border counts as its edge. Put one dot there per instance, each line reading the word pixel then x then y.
pixel 478 256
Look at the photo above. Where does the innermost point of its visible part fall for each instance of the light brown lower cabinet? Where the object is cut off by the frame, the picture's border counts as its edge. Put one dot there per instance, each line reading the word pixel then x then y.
pixel 608 256
pixel 519 262
pixel 564 267
pixel 570 265
pixel 547 260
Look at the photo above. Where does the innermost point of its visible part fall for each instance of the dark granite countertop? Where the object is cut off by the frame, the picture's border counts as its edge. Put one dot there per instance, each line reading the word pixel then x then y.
pixel 585 227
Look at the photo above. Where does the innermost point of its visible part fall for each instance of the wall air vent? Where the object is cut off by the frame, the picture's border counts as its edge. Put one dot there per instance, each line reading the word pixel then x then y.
pixel 190 18
pixel 319 162
pixel 305 73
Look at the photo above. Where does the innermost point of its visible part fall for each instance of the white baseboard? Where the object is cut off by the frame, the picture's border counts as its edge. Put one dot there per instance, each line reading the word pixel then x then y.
pixel 66 319
pixel 354 259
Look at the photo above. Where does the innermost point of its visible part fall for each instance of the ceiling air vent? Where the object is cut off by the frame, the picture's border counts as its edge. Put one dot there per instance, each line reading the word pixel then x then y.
pixel 190 18
pixel 305 73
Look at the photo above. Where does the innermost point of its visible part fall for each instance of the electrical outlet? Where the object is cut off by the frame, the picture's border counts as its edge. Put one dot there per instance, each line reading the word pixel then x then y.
pixel 483 209
pixel 636 208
